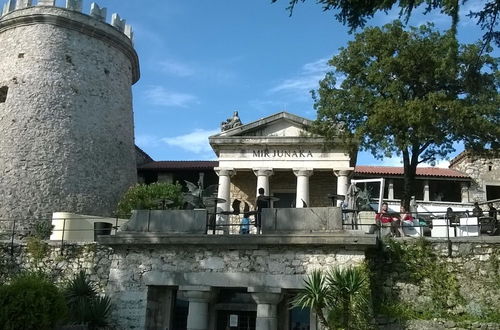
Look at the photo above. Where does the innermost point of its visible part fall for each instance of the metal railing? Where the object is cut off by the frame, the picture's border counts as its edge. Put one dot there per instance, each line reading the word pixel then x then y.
pixel 423 224
pixel 21 229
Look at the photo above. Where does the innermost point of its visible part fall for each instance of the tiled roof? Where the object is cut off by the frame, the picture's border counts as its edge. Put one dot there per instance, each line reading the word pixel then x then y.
pixel 421 171
pixel 180 165
pixel 360 169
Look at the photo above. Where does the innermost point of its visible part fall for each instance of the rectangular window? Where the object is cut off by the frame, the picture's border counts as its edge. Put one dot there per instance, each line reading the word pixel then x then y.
pixel 492 192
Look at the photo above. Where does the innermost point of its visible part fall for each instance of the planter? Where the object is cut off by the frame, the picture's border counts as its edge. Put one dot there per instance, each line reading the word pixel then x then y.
pixel 102 228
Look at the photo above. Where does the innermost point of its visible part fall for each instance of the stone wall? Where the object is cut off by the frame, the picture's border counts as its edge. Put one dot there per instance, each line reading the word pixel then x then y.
pixel 134 266
pixel 67 124
pixel 93 258
pixel 456 285
pixel 126 271
pixel 482 167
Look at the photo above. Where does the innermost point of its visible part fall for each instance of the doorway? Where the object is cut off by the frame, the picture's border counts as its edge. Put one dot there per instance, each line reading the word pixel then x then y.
pixel 236 320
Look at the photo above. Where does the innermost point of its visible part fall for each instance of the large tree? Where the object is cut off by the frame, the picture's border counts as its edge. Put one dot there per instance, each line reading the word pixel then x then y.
pixel 355 13
pixel 405 92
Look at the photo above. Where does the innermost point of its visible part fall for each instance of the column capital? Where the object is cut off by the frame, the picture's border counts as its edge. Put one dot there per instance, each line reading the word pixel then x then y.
pixel 196 293
pixel 263 171
pixel 224 171
pixel 303 171
pixel 347 172
pixel 267 298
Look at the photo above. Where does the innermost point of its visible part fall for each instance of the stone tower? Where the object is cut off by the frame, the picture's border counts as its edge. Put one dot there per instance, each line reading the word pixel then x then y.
pixel 66 121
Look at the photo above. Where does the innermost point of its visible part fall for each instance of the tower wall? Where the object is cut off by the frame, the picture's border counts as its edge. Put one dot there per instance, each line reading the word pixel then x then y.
pixel 66 121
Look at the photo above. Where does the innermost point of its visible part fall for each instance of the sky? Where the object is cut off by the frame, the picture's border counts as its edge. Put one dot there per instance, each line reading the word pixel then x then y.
pixel 201 60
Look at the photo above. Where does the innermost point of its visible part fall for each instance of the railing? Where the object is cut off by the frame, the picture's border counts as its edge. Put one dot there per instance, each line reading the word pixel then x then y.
pixel 423 224
pixel 58 228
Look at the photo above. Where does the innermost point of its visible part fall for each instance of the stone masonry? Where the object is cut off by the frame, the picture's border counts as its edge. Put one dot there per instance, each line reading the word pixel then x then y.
pixel 482 167
pixel 133 268
pixel 66 122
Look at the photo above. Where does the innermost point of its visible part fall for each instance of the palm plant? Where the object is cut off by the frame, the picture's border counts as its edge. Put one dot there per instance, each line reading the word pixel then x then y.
pixel 85 305
pixel 339 297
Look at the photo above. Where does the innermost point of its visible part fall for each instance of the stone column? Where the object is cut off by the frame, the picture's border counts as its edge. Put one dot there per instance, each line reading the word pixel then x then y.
pixel 427 196
pixel 263 175
pixel 224 190
pixel 199 298
pixel 267 300
pixel 342 183
pixel 390 189
pixel 302 195
pixel 464 189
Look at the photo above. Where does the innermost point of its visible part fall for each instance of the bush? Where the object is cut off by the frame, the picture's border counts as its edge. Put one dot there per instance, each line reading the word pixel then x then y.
pixel 148 197
pixel 85 305
pixel 31 301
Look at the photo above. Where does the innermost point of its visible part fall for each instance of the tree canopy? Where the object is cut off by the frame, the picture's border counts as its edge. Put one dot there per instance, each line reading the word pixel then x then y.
pixel 355 13
pixel 408 92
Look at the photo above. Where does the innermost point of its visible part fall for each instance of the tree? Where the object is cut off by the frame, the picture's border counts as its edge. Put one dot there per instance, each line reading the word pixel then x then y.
pixel 402 93
pixel 339 297
pixel 355 13
pixel 150 197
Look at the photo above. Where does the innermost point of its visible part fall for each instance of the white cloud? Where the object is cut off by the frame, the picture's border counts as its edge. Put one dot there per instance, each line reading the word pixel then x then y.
pixel 158 95
pixel 307 79
pixel 146 141
pixel 211 72
pixel 177 68
pixel 196 141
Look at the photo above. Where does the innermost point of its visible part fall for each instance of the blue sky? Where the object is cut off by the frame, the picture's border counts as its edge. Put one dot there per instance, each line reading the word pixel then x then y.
pixel 201 60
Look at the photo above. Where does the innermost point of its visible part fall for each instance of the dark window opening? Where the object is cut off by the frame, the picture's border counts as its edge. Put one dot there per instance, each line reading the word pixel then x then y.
pixel 106 72
pixel 490 168
pixel 492 192
pixel 445 191
pixel 20 55
pixel 3 93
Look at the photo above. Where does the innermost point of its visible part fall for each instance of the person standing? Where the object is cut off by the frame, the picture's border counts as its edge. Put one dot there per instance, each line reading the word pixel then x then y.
pixel 262 203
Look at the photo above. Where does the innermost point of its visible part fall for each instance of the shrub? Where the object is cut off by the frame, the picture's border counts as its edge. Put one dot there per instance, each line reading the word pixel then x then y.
pixel 31 301
pixel 85 305
pixel 149 197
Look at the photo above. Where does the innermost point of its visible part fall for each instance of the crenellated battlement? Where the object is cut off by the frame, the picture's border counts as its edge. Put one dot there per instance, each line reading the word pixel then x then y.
pixel 96 12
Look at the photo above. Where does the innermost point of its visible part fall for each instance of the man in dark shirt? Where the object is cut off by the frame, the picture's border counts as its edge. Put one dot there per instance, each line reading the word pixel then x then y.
pixel 262 203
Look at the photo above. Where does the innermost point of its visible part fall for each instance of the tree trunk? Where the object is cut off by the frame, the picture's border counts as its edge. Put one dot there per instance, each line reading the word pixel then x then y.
pixel 410 171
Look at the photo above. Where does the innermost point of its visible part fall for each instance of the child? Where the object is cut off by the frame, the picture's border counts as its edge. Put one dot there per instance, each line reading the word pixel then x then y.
pixel 245 224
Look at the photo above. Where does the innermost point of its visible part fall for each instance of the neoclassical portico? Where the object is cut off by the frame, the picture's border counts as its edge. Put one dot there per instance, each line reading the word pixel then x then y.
pixel 279 149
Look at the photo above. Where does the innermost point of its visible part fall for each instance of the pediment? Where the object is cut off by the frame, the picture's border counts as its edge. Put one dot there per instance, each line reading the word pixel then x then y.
pixel 282 124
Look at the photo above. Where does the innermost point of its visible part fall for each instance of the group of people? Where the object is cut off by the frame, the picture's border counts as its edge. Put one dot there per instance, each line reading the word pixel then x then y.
pixel 395 221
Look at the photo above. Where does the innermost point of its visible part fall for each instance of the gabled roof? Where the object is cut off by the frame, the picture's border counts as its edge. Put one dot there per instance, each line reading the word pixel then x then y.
pixel 398 171
pixel 241 130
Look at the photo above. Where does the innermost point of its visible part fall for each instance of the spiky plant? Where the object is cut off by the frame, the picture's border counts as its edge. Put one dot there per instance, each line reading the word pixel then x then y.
pixel 339 297
pixel 86 306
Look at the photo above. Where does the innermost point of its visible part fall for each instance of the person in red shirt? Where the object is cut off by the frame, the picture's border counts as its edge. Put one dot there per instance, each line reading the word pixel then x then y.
pixel 392 220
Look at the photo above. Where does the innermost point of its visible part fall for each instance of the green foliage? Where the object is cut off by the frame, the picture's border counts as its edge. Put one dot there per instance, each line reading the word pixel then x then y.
pixel 356 13
pixel 42 229
pixel 421 264
pixel 31 301
pixel 37 248
pixel 412 93
pixel 339 297
pixel 149 197
pixel 85 305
